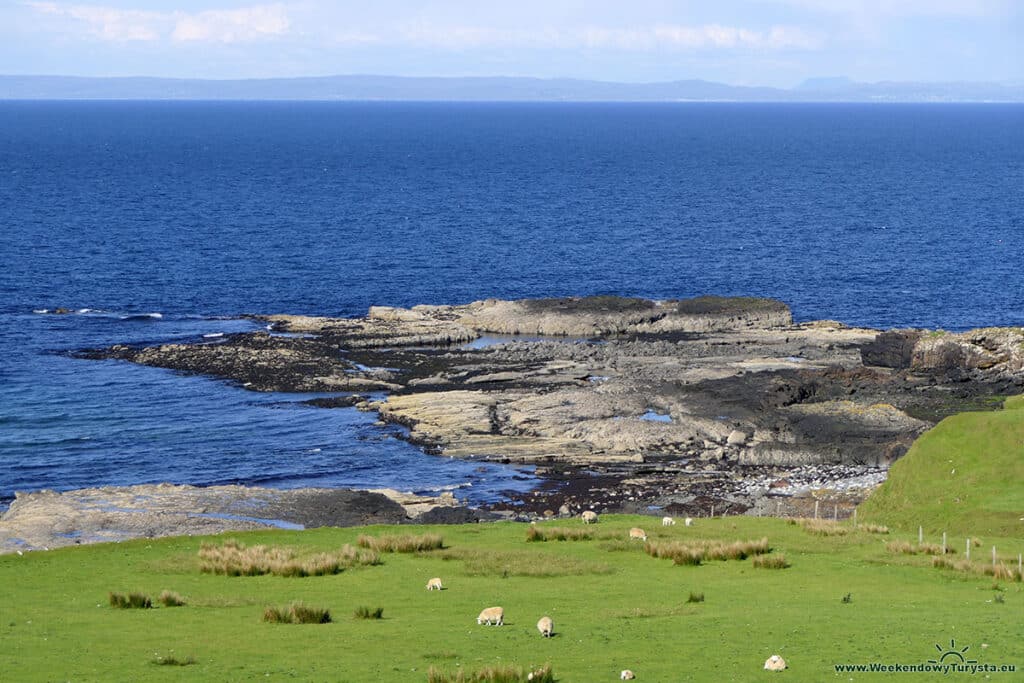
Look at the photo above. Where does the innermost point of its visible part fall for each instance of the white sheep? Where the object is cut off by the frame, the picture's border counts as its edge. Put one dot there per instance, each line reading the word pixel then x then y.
pixel 668 521
pixel 775 663
pixel 434 584
pixel 492 614
pixel 546 626
pixel 627 675
pixel 589 517
pixel 689 521
pixel 637 532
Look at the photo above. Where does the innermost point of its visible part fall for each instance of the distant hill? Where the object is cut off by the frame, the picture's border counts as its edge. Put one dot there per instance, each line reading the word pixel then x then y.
pixel 492 89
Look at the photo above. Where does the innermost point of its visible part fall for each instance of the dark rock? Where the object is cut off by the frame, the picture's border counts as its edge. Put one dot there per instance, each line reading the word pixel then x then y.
pixel 892 349
pixel 323 507
pixel 445 514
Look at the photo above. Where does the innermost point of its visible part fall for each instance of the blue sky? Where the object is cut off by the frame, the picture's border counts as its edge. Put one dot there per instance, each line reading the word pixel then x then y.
pixel 742 42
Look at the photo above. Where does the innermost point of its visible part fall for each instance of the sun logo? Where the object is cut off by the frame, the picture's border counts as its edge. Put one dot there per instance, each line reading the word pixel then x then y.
pixel 952 653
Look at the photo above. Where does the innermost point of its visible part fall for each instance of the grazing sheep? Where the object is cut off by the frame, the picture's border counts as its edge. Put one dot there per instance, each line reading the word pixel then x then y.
pixel 668 521
pixel 627 675
pixel 589 517
pixel 689 521
pixel 546 626
pixel 434 584
pixel 775 663
pixel 492 614
pixel 637 532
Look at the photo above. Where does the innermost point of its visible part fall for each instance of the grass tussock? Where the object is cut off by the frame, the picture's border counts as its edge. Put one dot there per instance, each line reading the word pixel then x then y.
pixel 130 601
pixel 232 558
pixel 367 613
pixel 405 543
pixel 494 674
pixel 171 599
pixel 1001 570
pixel 695 552
pixel 695 597
pixel 172 660
pixel 908 548
pixel 297 613
pixel 558 533
pixel 821 527
pixel 770 561
pixel 481 562
pixel 873 528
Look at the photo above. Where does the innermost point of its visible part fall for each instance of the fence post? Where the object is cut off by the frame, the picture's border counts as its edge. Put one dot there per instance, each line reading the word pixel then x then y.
pixel 778 508
pixel 712 510
pixel 968 548
pixel 920 535
pixel 835 513
pixel 943 542
pixel 815 509
pixel 854 518
pixel 993 557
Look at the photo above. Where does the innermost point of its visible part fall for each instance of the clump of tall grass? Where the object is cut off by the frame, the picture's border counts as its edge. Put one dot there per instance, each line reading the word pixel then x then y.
pixel 908 548
pixel 873 528
pixel 998 571
pixel 406 543
pixel 129 601
pixel 557 533
pixel 171 599
pixel 297 613
pixel 171 660
pixel 367 613
pixel 694 552
pixel 695 597
pixel 770 561
pixel 494 674
pixel 232 558
pixel 821 527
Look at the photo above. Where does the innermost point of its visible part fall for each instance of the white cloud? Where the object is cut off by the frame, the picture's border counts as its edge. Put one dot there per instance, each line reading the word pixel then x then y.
pixel 904 8
pixel 244 24
pixel 232 26
pixel 109 23
pixel 657 37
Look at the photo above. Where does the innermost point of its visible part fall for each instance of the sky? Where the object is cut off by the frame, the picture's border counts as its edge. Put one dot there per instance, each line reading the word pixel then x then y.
pixel 741 42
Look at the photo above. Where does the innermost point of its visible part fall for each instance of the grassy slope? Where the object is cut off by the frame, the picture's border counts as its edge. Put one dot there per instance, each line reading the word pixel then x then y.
pixel 612 608
pixel 965 476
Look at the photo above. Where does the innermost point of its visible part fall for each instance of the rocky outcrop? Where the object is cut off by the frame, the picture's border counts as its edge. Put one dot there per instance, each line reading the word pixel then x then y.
pixel 47 519
pixel 626 386
pixel 987 353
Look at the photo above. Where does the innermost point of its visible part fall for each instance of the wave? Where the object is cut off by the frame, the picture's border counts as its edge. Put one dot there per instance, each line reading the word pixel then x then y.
pixel 142 316
pixel 213 335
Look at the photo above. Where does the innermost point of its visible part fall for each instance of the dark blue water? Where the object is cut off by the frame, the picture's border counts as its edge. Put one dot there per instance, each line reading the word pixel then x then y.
pixel 885 215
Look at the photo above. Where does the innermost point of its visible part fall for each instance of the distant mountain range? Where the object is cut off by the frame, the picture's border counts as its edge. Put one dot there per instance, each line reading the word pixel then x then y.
pixel 493 89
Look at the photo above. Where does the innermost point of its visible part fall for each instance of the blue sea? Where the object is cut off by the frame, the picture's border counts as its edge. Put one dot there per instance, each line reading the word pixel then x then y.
pixel 166 221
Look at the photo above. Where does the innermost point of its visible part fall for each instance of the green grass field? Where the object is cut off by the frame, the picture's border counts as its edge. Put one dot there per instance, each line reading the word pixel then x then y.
pixel 825 595
pixel 965 476
pixel 614 607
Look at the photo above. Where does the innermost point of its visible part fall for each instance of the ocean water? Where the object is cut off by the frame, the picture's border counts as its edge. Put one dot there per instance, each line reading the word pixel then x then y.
pixel 880 215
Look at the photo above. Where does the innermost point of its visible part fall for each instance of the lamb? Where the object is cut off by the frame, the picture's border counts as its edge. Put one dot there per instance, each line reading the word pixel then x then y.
pixel 668 521
pixel 434 584
pixel 492 614
pixel 627 675
pixel 689 521
pixel 637 532
pixel 589 517
pixel 775 663
pixel 546 626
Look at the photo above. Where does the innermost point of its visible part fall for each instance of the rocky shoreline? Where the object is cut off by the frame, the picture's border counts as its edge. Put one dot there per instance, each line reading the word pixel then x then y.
pixel 625 404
